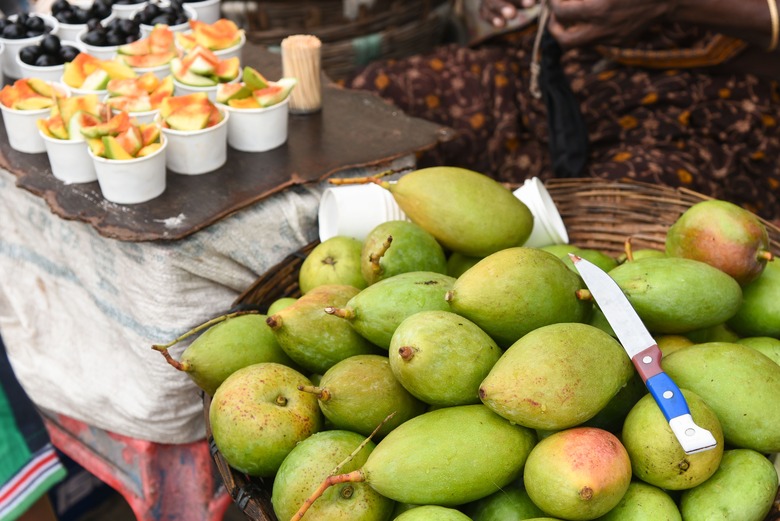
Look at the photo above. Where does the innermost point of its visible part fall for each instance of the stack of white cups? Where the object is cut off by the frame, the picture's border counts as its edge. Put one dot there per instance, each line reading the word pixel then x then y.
pixel 355 210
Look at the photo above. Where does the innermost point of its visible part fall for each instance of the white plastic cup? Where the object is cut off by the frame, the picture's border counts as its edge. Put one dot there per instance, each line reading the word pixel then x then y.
pixel 126 10
pixel 132 181
pixel 548 226
pixel 230 52
pixel 100 52
pixel 355 210
pixel 199 151
pixel 22 128
pixel 12 47
pixel 71 31
pixel 161 71
pixel 75 91
pixel 179 28
pixel 2 53
pixel 258 130
pixel 69 160
pixel 51 73
pixel 208 10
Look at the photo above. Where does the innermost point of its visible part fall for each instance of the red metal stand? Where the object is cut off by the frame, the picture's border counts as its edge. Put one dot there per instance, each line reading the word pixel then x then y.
pixel 160 482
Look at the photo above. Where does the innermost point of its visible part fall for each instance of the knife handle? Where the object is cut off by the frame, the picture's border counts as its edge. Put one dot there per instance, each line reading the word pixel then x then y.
pixel 667 395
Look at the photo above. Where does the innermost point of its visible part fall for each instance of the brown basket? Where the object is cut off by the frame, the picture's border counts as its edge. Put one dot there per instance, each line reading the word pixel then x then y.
pixel 597 214
pixel 389 29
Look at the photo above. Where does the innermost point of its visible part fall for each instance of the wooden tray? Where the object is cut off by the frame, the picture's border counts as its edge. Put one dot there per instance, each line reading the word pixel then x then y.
pixel 354 129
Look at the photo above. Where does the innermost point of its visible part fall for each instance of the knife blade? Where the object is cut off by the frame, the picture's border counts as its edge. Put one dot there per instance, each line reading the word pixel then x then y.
pixel 645 355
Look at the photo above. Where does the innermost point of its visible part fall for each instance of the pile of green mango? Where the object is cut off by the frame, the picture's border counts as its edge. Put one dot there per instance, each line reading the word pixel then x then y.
pixel 440 370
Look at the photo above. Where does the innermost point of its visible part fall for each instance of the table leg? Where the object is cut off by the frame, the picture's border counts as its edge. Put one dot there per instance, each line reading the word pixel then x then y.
pixel 161 482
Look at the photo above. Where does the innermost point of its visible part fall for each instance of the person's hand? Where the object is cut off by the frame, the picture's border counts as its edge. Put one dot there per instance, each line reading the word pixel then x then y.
pixel 582 22
pixel 499 12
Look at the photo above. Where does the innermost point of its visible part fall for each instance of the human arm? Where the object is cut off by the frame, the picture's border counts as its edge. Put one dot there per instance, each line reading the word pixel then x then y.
pixel 583 22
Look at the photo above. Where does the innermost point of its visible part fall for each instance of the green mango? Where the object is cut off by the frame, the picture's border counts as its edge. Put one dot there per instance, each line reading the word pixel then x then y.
pixel 557 376
pixel 675 295
pixel 334 261
pixel 643 502
pixel 668 344
pixel 466 211
pixel 258 416
pixel 763 344
pixel 314 339
pixel 400 508
pixel 517 290
pixel 442 458
pixel 723 235
pixel 511 503
pixel 280 303
pixel 457 263
pixel 577 474
pixel 226 347
pixel 310 462
pixel 759 314
pixel 656 455
pixel 716 333
pixel 744 487
pixel 641 253
pixel 612 416
pixel 433 513
pixel 378 310
pixel 441 357
pixel 740 384
pixel 600 259
pixel 358 394
pixel 396 247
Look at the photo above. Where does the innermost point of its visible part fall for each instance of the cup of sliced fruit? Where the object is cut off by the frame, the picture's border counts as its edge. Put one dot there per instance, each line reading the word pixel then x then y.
pixel 152 53
pixel 196 131
pixel 200 70
pixel 259 111
pixel 23 103
pixel 87 74
pixel 71 121
pixel 140 97
pixel 223 37
pixel 129 160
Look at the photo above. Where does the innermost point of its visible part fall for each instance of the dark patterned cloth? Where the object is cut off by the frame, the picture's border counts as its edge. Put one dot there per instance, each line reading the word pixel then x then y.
pixel 715 134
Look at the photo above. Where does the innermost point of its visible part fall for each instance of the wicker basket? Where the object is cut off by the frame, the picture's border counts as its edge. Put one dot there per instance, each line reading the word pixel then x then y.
pixel 388 29
pixel 598 214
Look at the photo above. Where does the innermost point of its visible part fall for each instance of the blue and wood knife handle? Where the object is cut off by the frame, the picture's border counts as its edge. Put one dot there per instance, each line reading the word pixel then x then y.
pixel 666 393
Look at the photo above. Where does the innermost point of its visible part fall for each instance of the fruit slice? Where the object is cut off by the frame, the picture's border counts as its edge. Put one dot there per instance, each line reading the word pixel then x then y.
pixel 131 140
pixel 33 103
pixel 150 133
pixel 125 87
pixel 275 93
pixel 161 39
pixel 95 144
pixel 187 77
pixel 150 60
pixel 67 107
pixel 57 128
pixel 131 103
pixel 231 91
pixel 149 149
pixel 98 80
pixel 113 149
pixel 173 103
pixel 113 126
pixel 253 79
pixel 189 117
pixel 43 88
pixel 79 121
pixel 228 70
pixel 136 48
pixel 245 103
pixel 117 69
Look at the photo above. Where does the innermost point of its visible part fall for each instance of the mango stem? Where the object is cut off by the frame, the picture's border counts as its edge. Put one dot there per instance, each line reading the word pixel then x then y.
pixel 274 322
pixel 360 447
pixel 340 312
pixel 368 179
pixel 181 366
pixel 355 476
pixel 375 257
pixel 321 392
pixel 628 249
pixel 583 294
pixel 198 329
pixel 765 255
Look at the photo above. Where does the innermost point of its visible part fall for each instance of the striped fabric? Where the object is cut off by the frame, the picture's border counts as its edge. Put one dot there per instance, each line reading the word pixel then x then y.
pixel 22 489
pixel 29 465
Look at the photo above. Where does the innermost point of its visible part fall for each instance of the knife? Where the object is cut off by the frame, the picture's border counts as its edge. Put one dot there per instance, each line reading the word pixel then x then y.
pixel 645 355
